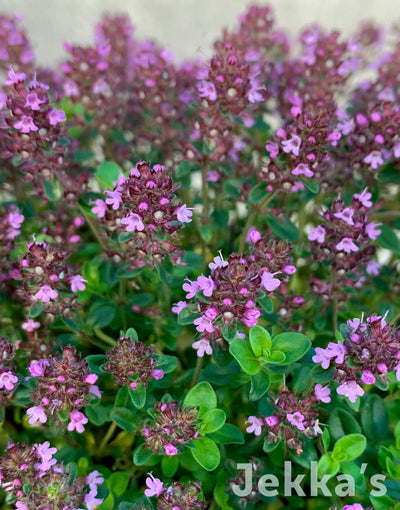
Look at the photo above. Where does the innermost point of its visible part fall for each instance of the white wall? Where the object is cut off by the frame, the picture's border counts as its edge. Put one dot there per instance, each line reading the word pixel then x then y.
pixel 185 26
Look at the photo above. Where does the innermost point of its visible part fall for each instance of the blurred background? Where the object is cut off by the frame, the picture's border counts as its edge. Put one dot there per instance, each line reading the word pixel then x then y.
pixel 185 27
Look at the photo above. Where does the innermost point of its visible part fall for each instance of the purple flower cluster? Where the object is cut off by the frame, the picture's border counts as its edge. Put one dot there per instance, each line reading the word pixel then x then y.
pixel 171 427
pixel 294 416
pixel 15 48
pixel 132 363
pixel 228 297
pixel 8 379
pixel 63 385
pixel 175 496
pixel 144 205
pixel 370 351
pixel 36 480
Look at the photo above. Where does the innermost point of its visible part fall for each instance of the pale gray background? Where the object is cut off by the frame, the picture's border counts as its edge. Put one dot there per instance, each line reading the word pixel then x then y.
pixel 186 27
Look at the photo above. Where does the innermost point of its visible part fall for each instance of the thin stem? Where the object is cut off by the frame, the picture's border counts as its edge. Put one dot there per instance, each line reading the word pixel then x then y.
pixel 386 214
pixel 103 336
pixel 334 298
pixel 167 296
pixel 204 191
pixel 122 301
pixel 108 436
pixel 197 370
pixel 95 231
pixel 252 217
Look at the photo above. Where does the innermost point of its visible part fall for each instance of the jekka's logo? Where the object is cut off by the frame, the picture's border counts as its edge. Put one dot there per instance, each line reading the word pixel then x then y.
pixel 269 484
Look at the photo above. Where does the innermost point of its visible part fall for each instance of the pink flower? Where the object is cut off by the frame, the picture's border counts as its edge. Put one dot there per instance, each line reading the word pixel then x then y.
pixel 45 454
pixel 374 159
pixel 184 214
pixel 25 124
pixel 100 208
pixel 206 284
pixel 218 261
pixel 336 350
pixel 256 425
pixel 179 306
pixel 373 267
pixel 321 357
pixel 271 421
pixel 78 420
pixel 115 199
pixel 57 116
pixel 296 419
pixel 269 282
pixel 37 368
pixel 30 325
pixel 250 317
pixel 303 169
pixel 350 389
pixel 346 215
pixel 95 390
pixel 94 479
pixel 78 283
pixel 367 377
pixel 207 89
pixel 45 294
pixel 372 231
pixel 292 145
pixel 253 235
pixel 322 394
pixel 317 234
pixel 347 245
pixel 19 505
pixel 170 449
pixel 91 378
pixel 157 374
pixel 133 222
pixel 14 77
pixel 364 197
pixel 204 323
pixel 203 347
pixel 288 269
pixel 273 149
pixel 8 380
pixel 15 220
pixel 36 413
pixel 155 486
pixel 33 101
pixel 191 288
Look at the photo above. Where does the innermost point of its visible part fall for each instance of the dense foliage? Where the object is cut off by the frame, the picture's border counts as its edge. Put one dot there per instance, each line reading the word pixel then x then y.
pixel 199 286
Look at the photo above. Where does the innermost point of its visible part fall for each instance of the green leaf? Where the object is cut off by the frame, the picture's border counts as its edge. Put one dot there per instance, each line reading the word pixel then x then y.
pixel 186 316
pixel 95 361
pixel 283 228
pixel 242 352
pixel 260 340
pixel 166 270
pixel 260 384
pixel 132 334
pixel 98 414
pixel 213 420
pixel 228 434
pixel 53 189
pixel 311 185
pixel 341 422
pixel 36 309
pixel 108 503
pixel 206 453
pixel 229 331
pixel 118 482
pixel 166 363
pixel 388 239
pixel 375 418
pixel 352 446
pixel 101 313
pixel 125 419
pixel 276 357
pixel 293 345
pixel 202 396
pixel 108 172
pixel 142 455
pixel 257 193
pixel 266 304
pixel 138 395
pixel 327 465
pixel 169 465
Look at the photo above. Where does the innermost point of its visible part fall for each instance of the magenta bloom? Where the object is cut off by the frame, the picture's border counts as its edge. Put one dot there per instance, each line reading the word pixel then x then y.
pixel 33 101
pixel 37 368
pixel 317 234
pixel 78 420
pixel 364 197
pixel 346 215
pixel 372 230
pixel 46 294
pixel 321 357
pixel 115 199
pixel 367 377
pixel 170 449
pixel 100 208
pixel 207 89
pixel 374 159
pixel 292 145
pixel 133 222
pixel 206 284
pixel 336 350
pixel 78 283
pixel 8 380
pixel 94 479
pixel 91 378
pixel 179 306
pixel 15 220
pixel 303 169
pixel 351 390
pixel 157 374
pixel 203 347
pixel 269 282
pixel 271 421
pixel 256 425
pixel 204 323
pixel 155 486
pixel 30 325
pixel 36 413
pixel 25 124
pixel 56 116
pixel 191 288
pixel 322 394
pixel 250 317
pixel 184 214
pixel 347 245
pixel 296 419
